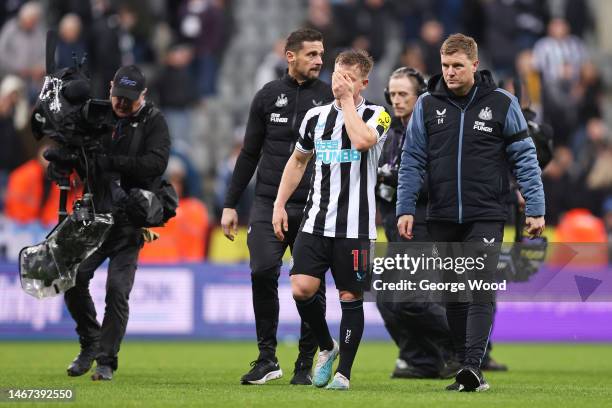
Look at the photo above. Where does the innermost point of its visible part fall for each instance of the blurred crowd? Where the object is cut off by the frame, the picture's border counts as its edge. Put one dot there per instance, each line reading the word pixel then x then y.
pixel 180 44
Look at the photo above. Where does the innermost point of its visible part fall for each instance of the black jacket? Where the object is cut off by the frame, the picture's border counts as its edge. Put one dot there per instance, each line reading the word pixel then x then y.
pixel 390 158
pixel 139 168
pixel 466 147
pixel 272 130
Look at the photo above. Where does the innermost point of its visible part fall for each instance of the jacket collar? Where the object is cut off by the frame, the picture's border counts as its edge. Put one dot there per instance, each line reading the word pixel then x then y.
pixel 482 79
pixel 141 113
pixel 289 80
pixel 397 125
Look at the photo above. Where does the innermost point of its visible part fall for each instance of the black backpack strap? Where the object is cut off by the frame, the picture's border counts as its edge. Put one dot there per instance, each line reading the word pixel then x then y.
pixel 138 134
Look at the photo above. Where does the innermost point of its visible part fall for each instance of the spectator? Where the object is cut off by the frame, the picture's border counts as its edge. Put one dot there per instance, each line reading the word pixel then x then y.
pixel 556 180
pixel 12 99
pixel 31 196
pixel 370 20
pixel 203 23
pixel 103 46
pixel 13 88
pixel 560 55
pixel 412 56
pixel 591 173
pixel 22 47
pixel 134 46
pixel 177 94
pixel 412 14
pixel 224 173
pixel 579 17
pixel 273 65
pixel 559 58
pixel 587 145
pixel 588 93
pixel 70 41
pixel 57 9
pixel 530 78
pixel 432 33
pixel 9 9
pixel 184 237
pixel 321 18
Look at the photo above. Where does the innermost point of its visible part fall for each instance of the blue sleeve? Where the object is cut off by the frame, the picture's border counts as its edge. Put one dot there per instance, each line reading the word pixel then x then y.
pixel 521 153
pixel 413 163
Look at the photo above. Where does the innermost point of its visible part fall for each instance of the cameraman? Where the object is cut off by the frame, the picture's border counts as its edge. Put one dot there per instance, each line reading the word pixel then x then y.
pixel 419 329
pixel 135 156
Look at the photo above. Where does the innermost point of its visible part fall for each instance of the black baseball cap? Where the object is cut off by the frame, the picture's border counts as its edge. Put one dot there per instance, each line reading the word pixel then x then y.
pixel 128 82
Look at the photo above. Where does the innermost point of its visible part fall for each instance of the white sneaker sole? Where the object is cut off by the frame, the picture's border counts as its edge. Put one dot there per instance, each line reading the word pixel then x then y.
pixel 482 387
pixel 272 375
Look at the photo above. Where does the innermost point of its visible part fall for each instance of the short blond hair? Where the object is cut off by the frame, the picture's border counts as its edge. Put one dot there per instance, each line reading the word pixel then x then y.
pixel 361 58
pixel 460 43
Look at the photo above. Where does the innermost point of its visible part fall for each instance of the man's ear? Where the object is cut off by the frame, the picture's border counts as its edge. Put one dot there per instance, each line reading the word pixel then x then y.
pixel 475 65
pixel 290 56
pixel 365 83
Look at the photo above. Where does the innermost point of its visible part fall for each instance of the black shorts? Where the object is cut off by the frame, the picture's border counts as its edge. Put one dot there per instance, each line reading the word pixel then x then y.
pixel 348 259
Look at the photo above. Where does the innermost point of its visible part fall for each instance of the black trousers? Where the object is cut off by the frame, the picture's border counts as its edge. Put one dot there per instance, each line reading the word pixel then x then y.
pixel 471 322
pixel 266 253
pixel 419 329
pixel 121 248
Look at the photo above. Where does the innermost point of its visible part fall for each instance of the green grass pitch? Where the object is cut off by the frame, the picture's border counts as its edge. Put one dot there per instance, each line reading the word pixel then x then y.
pixel 169 374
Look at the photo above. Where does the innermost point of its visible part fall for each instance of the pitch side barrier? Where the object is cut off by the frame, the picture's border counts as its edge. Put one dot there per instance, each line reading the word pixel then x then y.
pixel 203 301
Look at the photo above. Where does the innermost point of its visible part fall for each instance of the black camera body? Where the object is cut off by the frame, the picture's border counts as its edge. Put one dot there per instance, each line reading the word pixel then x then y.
pixel 65 113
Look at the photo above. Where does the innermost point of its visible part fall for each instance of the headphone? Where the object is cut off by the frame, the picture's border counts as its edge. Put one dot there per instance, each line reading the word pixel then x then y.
pixel 409 72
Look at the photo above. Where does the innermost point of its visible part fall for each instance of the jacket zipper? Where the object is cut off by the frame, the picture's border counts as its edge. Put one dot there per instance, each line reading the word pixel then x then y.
pixel 459 153
pixel 293 119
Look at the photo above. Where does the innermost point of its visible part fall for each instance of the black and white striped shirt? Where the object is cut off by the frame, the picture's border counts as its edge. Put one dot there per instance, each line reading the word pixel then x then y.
pixel 341 201
pixel 553 56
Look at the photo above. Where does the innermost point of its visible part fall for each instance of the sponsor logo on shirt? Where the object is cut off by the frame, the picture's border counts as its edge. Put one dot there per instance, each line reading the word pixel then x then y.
pixel 277 118
pixel 482 127
pixel 329 151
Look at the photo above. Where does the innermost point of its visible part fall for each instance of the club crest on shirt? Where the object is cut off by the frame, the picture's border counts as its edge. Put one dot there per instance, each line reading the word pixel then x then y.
pixel 486 113
pixel 281 101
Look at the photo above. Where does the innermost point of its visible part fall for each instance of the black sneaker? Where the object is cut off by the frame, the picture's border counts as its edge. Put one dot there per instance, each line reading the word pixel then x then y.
pixel 404 370
pixel 472 380
pixel 103 373
pixel 302 374
pixel 263 371
pixel 454 387
pixel 83 362
pixel 492 365
pixel 450 370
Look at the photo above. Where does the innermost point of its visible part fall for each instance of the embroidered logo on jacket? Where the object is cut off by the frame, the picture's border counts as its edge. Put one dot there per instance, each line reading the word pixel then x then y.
pixel 486 114
pixel 281 101
pixel 440 115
